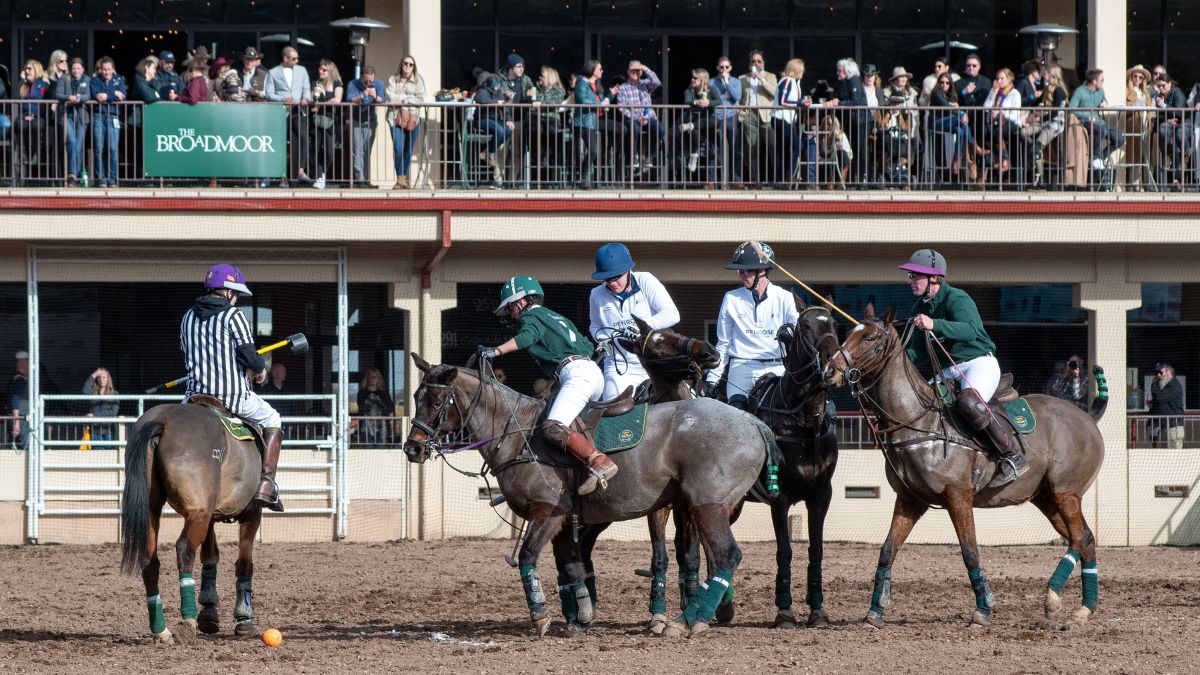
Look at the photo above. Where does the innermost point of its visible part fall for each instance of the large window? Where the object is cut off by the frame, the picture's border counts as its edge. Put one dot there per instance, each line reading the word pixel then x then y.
pixel 1167 32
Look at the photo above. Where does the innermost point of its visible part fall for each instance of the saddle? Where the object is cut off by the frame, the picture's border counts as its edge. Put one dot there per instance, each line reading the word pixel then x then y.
pixel 1007 405
pixel 616 424
pixel 237 428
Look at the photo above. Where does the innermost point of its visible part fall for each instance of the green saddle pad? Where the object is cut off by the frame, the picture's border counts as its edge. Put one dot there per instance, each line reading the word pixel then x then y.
pixel 1018 412
pixel 622 432
pixel 235 427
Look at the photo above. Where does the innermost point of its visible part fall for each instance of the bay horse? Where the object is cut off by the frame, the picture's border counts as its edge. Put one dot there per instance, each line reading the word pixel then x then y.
pixel 181 454
pixel 928 463
pixel 701 451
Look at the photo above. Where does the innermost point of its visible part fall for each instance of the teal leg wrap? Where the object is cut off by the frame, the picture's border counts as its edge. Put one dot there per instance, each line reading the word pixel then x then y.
pixel 881 597
pixel 534 597
pixel 658 593
pixel 243 611
pixel 783 588
pixel 1091 586
pixel 187 595
pixel 984 599
pixel 1101 385
pixel 589 578
pixel 772 480
pixel 704 606
pixel 158 622
pixel 815 598
pixel 1063 572
pixel 566 598
pixel 208 585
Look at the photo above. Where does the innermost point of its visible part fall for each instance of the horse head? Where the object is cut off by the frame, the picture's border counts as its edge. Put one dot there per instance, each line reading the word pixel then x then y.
pixel 664 345
pixel 436 413
pixel 865 351
pixel 815 339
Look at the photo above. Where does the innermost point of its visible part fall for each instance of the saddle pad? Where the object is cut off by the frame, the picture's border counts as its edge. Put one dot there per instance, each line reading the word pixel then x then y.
pixel 622 432
pixel 235 427
pixel 1021 415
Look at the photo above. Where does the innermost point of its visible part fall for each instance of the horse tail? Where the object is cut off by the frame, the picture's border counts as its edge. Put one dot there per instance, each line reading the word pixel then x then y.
pixel 135 499
pixel 1100 403
pixel 766 487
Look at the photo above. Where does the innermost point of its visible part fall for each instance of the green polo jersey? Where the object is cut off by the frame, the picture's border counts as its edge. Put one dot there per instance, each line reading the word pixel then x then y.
pixel 956 324
pixel 551 337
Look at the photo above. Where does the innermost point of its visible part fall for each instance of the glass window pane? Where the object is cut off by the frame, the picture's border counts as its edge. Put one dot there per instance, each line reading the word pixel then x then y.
pixel 462 51
pixel 1145 14
pixel 1182 15
pixel 562 51
pixel 756 13
pixel 808 15
pixel 324 11
pixel 623 13
pixel 888 50
pixel 115 12
pixel 260 11
pixel 820 56
pixel 897 15
pixel 468 12
pixel 38 44
pixel 185 12
pixel 776 51
pixel 1183 59
pixel 990 14
pixel 565 14
pixel 38 10
pixel 688 14
pixel 1144 48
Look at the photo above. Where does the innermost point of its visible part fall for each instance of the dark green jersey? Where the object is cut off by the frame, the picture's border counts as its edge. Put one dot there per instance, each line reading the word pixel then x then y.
pixel 551 337
pixel 956 324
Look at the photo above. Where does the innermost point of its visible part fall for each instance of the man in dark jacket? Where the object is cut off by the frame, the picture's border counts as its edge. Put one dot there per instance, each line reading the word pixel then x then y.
pixel 1166 399
pixel 168 80
pixel 1170 129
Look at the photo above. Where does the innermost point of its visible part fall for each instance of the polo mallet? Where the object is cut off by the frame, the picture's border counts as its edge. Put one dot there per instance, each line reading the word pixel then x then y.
pixel 297 344
pixel 762 255
pixel 512 559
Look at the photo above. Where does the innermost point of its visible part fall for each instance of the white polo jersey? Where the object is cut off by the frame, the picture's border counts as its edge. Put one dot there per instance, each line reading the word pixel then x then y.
pixel 746 329
pixel 648 301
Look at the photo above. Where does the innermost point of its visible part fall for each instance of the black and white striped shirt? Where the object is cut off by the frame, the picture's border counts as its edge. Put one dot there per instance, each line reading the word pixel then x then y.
pixel 218 346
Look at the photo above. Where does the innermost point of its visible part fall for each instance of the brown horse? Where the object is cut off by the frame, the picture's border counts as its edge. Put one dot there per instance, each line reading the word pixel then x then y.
pixel 930 464
pixel 181 455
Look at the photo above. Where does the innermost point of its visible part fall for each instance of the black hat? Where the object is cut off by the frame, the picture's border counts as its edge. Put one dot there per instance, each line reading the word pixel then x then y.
pixel 167 56
pixel 251 53
pixel 1160 365
pixel 513 61
pixel 869 69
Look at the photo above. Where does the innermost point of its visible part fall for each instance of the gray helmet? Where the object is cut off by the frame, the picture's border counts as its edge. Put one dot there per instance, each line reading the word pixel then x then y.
pixel 926 261
pixel 752 255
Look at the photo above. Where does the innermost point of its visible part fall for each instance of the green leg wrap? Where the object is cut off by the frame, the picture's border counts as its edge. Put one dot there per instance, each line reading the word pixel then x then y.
pixel 783 588
pixel 984 599
pixel 881 597
pixel 772 480
pixel 243 610
pixel 534 597
pixel 208 585
pixel 704 606
pixel 1091 586
pixel 158 622
pixel 566 598
pixel 187 595
pixel 815 598
pixel 1063 572
pixel 1101 385
pixel 658 593
pixel 589 578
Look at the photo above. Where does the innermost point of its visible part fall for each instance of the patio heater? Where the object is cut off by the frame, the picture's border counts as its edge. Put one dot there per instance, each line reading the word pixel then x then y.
pixel 1049 35
pixel 360 34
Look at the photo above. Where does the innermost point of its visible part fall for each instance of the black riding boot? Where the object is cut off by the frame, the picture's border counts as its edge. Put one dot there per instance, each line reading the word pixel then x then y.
pixel 1012 462
pixel 268 491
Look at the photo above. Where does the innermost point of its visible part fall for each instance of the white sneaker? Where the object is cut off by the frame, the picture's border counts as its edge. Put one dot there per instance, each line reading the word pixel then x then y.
pixel 319 183
pixel 1097 164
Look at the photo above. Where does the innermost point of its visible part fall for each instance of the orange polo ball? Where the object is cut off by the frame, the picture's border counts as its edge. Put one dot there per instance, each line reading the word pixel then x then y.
pixel 271 637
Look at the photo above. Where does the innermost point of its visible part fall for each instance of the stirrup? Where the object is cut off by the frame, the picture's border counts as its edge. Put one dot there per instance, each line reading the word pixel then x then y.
pixel 270 500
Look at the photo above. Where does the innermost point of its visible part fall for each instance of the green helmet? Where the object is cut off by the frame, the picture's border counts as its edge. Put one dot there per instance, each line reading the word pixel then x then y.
pixel 516 288
pixel 752 255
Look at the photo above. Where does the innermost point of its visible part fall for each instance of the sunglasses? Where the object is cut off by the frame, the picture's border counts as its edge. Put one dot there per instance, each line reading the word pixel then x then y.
pixel 723 67
pixel 1074 365
pixel 408 63
pixel 914 275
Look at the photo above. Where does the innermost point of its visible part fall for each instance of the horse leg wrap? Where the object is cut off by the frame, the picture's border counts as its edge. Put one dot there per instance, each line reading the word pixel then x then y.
pixel 783 588
pixel 534 597
pixel 658 593
pixel 243 610
pixel 689 586
pixel 772 480
pixel 881 597
pixel 589 579
pixel 187 595
pixel 208 585
pixel 1063 572
pixel 1091 585
pixel 984 599
pixel 158 622
pixel 704 606
pixel 566 598
pixel 815 597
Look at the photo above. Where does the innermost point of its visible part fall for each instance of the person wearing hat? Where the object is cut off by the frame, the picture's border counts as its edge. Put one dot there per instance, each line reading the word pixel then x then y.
pixel 902 140
pixel 623 295
pixel 224 81
pixel 561 350
pixel 1166 399
pixel 518 88
pixel 169 83
pixel 870 84
pixel 218 350
pixel 951 318
pixel 252 77
pixel 748 324
pixel 18 400
pixel 200 54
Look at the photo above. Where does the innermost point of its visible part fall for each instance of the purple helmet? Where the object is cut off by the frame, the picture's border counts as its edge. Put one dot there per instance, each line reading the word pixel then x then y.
pixel 224 275
pixel 926 261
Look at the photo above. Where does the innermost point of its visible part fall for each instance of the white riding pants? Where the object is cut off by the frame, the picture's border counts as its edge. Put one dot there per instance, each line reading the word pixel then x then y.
pixel 255 409
pixel 580 381
pixel 981 373
pixel 632 374
pixel 743 373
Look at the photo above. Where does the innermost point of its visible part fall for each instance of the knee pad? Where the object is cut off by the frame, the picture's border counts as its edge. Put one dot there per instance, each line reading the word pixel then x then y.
pixel 555 432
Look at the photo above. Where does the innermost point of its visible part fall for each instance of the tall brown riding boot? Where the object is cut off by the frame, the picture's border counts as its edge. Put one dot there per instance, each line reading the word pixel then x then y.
pixel 268 491
pixel 1012 462
pixel 601 467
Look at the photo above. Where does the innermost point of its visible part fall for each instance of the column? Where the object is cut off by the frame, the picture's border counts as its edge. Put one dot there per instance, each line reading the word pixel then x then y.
pixel 1106 45
pixel 1107 300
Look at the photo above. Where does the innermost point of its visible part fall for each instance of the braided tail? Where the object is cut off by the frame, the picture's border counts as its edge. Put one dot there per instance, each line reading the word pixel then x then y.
pixel 1100 403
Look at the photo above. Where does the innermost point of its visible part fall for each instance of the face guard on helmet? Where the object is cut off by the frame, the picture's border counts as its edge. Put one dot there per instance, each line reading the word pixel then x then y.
pixel 516 288
pixel 224 275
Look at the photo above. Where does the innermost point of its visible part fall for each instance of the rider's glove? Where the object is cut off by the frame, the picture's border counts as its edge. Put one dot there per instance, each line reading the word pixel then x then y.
pixel 488 353
pixel 710 390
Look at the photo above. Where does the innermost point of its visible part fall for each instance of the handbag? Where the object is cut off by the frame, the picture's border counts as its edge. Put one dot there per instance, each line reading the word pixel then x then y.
pixel 323 122
pixel 407 119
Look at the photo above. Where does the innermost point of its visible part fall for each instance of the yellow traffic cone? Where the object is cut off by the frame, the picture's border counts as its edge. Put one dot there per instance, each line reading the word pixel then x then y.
pixel 87 436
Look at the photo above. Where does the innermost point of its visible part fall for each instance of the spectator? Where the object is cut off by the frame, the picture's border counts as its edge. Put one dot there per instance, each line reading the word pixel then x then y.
pixel 170 85
pixel 31 123
pixel 200 55
pixel 100 383
pixel 729 92
pixel 758 93
pixel 1059 370
pixel 492 118
pixel 1073 383
pixel 145 82
pixel 518 89
pixel 5 120
pixel 1170 130
pixel 1085 101
pixel 1030 86
pixel 950 118
pixel 550 98
pixel 1191 125
pixel 1166 402
pixel 591 120
pixel 367 93
pixel 870 83
pixel 72 92
pixel 108 89
pixel 18 401
pixel 376 408
pixel 195 79
pixel 1002 128
pixel 1137 87
pixel 56 69
pixel 252 78
pixel 327 93
pixel 405 88
pixel 288 83
pixel 789 126
pixel 850 93
pixel 225 83
pixel 641 121
pixel 1046 123
pixel 276 385
pixel 974 87
pixel 941 66
pixel 500 375
pixel 899 127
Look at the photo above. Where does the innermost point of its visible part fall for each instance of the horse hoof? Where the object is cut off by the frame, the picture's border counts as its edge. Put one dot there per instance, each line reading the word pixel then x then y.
pixel 725 612
pixel 874 619
pixel 1053 603
pixel 818 619
pixel 658 622
pixel 540 626
pixel 674 629
pixel 784 619
pixel 244 628
pixel 1082 615
pixel 698 628
pixel 978 618
pixel 164 637
pixel 585 611
pixel 209 622
pixel 575 628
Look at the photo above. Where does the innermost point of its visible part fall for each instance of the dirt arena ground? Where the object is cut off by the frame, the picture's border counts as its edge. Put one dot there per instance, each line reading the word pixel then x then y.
pixel 457 607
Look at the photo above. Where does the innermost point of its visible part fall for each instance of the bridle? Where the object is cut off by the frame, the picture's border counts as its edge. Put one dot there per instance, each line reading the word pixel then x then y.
pixel 682 366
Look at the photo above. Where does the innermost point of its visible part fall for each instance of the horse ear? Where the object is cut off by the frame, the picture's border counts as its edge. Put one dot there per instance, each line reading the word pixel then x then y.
pixel 800 304
pixel 422 364
pixel 450 375
pixel 869 310
pixel 889 315
pixel 643 327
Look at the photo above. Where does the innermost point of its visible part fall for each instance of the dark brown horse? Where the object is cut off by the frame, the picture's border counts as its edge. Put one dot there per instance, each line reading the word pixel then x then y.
pixel 930 464
pixel 182 455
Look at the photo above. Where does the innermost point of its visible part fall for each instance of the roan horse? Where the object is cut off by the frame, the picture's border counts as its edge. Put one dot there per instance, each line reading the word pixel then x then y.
pixel 701 451
pixel 181 454
pixel 929 463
